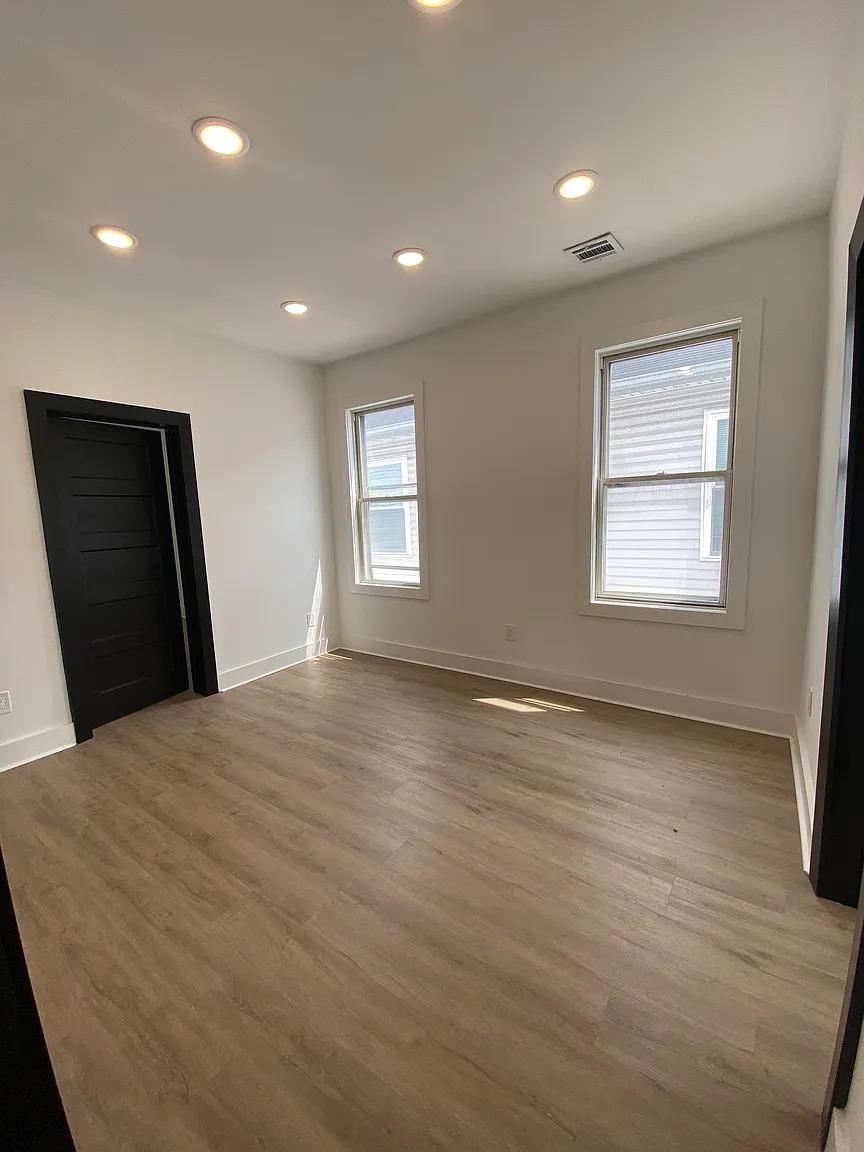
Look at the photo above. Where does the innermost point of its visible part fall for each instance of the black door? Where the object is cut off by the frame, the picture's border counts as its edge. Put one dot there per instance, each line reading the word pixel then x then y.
pixel 120 577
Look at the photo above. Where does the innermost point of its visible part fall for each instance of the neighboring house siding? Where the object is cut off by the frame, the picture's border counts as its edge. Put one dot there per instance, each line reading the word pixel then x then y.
pixel 654 534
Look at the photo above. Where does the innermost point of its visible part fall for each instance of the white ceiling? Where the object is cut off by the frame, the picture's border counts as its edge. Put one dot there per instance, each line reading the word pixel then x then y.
pixel 375 127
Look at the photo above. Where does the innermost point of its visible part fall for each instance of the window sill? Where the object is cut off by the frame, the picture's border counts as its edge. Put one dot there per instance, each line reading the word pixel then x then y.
pixel 406 591
pixel 690 614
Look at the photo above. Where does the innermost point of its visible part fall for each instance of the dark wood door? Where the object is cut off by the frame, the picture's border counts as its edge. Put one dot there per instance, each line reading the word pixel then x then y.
pixel 120 574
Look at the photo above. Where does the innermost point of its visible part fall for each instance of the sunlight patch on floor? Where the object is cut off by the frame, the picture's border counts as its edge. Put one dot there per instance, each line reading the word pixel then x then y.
pixel 552 705
pixel 507 705
pixel 525 704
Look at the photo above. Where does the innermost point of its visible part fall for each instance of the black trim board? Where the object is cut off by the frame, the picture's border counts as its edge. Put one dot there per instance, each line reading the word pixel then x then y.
pixel 837 853
pixel 32 1113
pixel 848 1032
pixel 177 426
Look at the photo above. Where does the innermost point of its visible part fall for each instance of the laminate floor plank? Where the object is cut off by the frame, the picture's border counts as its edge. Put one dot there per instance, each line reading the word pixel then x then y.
pixel 362 906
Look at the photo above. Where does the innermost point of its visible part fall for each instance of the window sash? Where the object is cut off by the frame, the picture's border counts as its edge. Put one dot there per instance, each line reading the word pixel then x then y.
pixel 364 503
pixel 360 452
pixel 604 481
pixel 697 480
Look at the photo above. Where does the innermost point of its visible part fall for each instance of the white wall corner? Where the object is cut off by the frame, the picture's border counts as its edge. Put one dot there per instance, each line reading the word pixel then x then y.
pixel 804 790
pixel 36 745
pixel 838 1141
pixel 728 713
pixel 246 673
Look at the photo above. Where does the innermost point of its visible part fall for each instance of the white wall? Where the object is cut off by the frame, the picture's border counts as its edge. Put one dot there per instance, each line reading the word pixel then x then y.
pixel 847 201
pixel 502 405
pixel 256 426
pixel 847 1124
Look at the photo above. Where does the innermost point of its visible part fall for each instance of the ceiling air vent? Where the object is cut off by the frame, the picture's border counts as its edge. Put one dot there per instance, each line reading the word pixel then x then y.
pixel 595 249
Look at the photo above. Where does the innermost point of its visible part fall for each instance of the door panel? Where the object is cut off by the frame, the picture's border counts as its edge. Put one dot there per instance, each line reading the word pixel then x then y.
pixel 107 513
pixel 120 564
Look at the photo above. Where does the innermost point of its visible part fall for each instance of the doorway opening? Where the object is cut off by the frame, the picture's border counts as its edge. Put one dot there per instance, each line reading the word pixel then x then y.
pixel 837 854
pixel 121 517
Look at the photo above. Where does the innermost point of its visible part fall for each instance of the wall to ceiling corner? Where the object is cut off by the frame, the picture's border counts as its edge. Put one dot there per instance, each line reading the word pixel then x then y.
pixel 502 408
pixel 846 204
pixel 259 451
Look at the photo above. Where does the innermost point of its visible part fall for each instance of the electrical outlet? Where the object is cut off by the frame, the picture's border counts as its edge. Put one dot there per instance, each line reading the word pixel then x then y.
pixel 310 619
pixel 5 703
pixel 509 631
pixel 810 702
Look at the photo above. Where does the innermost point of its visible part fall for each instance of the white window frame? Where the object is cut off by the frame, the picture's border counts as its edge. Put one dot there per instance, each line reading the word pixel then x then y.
pixel 378 587
pixel 746 317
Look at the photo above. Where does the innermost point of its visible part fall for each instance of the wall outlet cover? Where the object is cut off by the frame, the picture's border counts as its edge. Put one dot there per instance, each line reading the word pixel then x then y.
pixel 5 703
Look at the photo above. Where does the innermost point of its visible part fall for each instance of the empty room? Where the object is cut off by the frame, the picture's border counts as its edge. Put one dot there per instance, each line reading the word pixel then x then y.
pixel 432 605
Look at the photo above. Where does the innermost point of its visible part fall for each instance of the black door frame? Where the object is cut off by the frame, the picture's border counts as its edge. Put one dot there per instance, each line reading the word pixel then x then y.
pixel 30 1103
pixel 837 852
pixel 838 842
pixel 177 426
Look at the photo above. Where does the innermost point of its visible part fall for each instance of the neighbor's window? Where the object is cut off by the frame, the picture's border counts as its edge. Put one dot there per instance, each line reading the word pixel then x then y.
pixel 665 472
pixel 384 489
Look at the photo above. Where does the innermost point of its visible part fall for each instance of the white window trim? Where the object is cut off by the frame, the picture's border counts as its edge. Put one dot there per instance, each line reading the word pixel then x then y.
pixel 710 424
pixel 368 588
pixel 747 316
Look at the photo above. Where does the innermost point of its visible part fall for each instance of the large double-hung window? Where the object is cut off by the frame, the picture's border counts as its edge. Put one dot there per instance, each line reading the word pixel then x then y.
pixel 665 456
pixel 386 495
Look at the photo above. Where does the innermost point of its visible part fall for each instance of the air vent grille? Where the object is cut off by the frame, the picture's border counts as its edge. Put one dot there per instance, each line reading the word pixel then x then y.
pixel 597 248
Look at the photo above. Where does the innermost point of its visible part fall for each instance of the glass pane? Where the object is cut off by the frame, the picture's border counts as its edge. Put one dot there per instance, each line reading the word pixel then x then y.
pixel 716 513
pixel 392 542
pixel 659 542
pixel 387 529
pixel 388 452
pixel 664 406
pixel 382 479
pixel 722 454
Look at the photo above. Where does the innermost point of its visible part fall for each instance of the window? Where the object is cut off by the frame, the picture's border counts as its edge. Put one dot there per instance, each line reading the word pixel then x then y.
pixel 664 472
pixel 385 494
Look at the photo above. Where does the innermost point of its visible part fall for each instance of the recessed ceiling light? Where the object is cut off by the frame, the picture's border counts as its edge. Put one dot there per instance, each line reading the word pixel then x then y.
pixel 113 237
pixel 220 136
pixel 409 257
pixel 435 5
pixel 294 307
pixel 576 184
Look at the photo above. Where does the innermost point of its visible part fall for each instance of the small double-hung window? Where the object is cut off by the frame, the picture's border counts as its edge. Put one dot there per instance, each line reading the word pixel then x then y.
pixel 665 471
pixel 385 494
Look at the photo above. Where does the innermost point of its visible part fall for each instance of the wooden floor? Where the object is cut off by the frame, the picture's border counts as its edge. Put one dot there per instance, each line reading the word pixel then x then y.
pixel 363 905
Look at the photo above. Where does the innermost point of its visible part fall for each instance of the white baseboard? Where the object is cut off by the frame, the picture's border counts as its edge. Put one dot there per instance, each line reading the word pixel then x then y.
pixel 728 713
pixel 33 747
pixel 39 744
pixel 803 790
pixel 234 677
